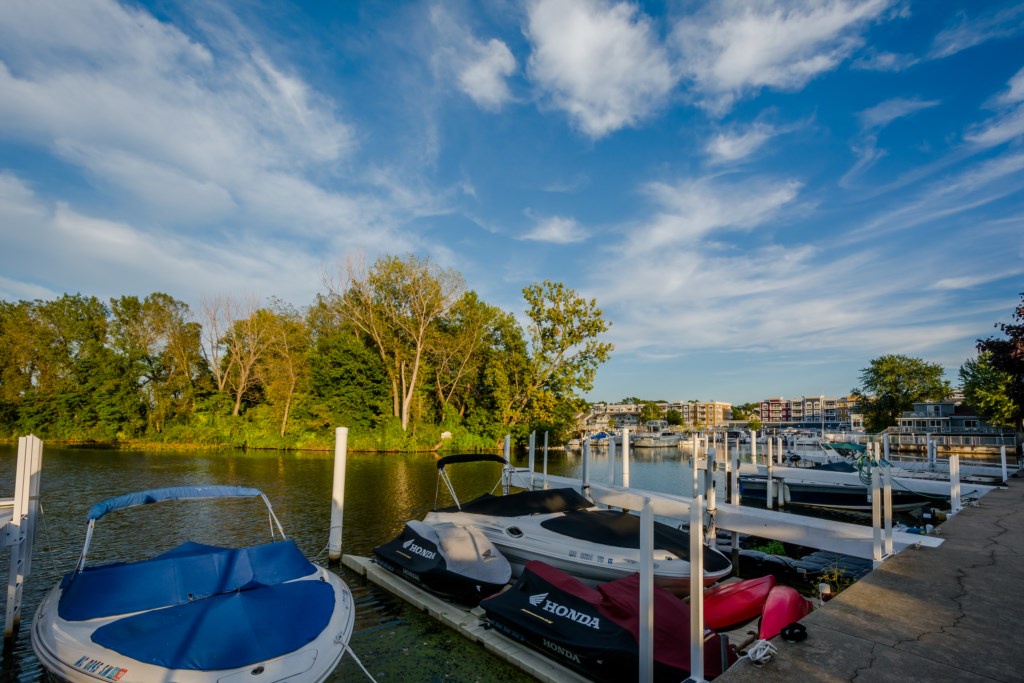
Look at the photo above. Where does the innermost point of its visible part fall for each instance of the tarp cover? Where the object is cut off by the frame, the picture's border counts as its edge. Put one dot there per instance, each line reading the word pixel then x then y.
pixel 458 562
pixel 189 572
pixel 596 631
pixel 225 631
pixel 540 502
pixel 171 493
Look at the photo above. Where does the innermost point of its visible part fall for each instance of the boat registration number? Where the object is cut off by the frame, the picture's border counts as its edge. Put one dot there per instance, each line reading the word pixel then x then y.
pixel 98 668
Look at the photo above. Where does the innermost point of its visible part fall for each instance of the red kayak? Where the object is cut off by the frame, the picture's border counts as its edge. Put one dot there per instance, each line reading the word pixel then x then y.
pixel 728 605
pixel 783 607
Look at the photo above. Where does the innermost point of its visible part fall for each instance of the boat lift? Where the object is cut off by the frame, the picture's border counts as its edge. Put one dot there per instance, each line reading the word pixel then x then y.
pixel 18 523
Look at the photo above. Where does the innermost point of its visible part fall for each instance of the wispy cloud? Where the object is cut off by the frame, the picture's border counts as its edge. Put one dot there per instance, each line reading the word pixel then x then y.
pixel 968 32
pixel 730 146
pixel 1008 124
pixel 886 112
pixel 732 49
pixel 873 60
pixel 557 230
pixel 599 62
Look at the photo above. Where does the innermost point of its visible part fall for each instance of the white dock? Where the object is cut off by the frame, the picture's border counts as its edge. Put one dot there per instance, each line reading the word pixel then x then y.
pixel 466 622
pixel 18 521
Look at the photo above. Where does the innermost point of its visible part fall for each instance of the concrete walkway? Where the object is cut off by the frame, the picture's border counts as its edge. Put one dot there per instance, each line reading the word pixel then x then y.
pixel 952 613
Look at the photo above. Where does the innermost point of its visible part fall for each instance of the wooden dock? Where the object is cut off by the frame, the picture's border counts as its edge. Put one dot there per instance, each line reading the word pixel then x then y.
pixel 468 623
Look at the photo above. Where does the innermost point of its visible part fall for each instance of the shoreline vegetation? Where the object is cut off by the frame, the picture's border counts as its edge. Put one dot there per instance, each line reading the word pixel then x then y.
pixel 399 351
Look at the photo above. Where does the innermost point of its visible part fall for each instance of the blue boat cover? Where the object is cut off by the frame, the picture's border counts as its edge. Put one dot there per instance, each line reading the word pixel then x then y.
pixel 225 631
pixel 171 493
pixel 185 574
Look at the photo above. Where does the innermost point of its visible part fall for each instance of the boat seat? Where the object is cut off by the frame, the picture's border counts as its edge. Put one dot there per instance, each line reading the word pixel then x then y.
pixel 190 572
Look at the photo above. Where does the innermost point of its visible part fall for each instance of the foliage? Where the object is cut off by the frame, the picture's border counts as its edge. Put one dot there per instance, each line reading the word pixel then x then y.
pixel 1007 356
pixel 987 390
pixel 674 417
pixel 892 384
pixel 755 424
pixel 650 411
pixel 771 547
pixel 745 411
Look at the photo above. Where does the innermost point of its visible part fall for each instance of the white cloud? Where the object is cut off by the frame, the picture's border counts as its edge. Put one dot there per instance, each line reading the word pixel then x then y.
pixel 886 112
pixel 970 32
pixel 557 230
pixel 884 61
pixel 968 281
pixel 734 48
pixel 733 146
pixel 599 62
pixel 1009 123
pixel 484 79
pixel 691 210
pixel 1015 93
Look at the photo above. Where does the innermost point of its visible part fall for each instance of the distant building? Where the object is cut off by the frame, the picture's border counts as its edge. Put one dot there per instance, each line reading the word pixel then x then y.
pixel 695 414
pixel 943 417
pixel 810 412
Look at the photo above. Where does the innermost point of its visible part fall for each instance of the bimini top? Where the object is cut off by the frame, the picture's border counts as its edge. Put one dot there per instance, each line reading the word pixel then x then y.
pixel 172 493
pixel 470 457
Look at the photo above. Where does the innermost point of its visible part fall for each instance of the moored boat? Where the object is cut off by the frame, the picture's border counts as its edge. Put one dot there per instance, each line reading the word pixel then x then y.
pixel 564 529
pixel 196 613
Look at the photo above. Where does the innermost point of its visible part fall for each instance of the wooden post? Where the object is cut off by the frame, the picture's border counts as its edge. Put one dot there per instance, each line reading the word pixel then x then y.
pixel 338 495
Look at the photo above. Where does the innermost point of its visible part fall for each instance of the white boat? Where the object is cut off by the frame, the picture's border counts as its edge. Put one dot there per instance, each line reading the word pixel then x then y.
pixel 564 529
pixel 197 613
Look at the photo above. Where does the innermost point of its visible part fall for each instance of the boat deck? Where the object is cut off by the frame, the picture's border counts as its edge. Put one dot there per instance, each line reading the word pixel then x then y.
pixel 934 614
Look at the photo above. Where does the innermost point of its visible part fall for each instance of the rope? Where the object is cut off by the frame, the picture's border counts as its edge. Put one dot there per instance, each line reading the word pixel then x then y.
pixel 761 652
pixel 348 648
pixel 49 543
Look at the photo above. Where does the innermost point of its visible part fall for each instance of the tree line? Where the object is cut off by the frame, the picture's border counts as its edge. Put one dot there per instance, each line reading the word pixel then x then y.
pixel 399 351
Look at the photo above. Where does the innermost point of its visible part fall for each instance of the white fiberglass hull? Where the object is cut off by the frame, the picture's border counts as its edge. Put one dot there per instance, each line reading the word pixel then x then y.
pixel 522 539
pixel 67 652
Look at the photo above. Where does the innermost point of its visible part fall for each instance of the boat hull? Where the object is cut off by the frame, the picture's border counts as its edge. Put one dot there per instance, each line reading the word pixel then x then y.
pixel 827 496
pixel 68 653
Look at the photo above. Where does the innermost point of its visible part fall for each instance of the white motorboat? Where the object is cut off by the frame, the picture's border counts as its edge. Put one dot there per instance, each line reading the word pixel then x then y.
pixel 197 613
pixel 564 529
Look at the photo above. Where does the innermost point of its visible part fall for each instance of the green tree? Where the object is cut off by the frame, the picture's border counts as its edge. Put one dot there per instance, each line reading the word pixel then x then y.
pixel 650 411
pixel 744 411
pixel 986 390
pixel 674 417
pixel 892 384
pixel 456 351
pixel 283 369
pixel 1007 356
pixel 396 304
pixel 755 423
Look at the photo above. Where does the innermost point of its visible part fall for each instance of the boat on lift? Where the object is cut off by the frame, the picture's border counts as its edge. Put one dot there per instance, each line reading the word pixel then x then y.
pixel 566 530
pixel 196 613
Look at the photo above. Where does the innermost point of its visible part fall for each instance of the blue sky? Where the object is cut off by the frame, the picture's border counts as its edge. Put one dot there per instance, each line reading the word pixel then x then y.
pixel 761 196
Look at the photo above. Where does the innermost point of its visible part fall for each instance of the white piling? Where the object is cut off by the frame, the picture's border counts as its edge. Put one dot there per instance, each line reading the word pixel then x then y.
pixel 734 498
pixel 887 509
pixel 779 450
pixel 1002 461
pixel 611 461
pixel 753 446
pixel 338 494
pixel 954 484
pixel 625 457
pixel 585 473
pixel 768 453
pixel 885 444
pixel 506 474
pixel 545 460
pixel 712 494
pixel 21 529
pixel 697 579
pixel 646 652
pixel 768 493
pixel 532 447
pixel 876 507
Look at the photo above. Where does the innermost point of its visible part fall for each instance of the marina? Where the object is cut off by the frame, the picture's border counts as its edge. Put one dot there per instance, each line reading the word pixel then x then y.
pixel 594 475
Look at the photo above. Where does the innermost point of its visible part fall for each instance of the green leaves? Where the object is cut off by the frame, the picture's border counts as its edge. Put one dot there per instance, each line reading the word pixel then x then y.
pixel 892 384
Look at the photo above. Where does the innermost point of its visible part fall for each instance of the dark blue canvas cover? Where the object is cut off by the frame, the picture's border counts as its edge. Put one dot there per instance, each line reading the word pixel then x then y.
pixel 189 572
pixel 225 631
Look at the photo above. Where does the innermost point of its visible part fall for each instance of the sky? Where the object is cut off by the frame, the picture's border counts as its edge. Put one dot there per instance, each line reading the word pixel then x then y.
pixel 762 196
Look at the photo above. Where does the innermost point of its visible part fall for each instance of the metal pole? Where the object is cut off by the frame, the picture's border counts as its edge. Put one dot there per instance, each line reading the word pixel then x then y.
pixel 734 498
pixel 338 494
pixel 1002 461
pixel 647 593
pixel 885 444
pixel 585 473
pixel 712 494
pixel 625 457
pixel 769 503
pixel 753 446
pixel 887 509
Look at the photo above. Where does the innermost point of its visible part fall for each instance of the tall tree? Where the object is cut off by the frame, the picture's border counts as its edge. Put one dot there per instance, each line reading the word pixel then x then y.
pixel 285 367
pixel 456 350
pixel 563 353
pixel 1007 356
pixel 892 384
pixel 397 304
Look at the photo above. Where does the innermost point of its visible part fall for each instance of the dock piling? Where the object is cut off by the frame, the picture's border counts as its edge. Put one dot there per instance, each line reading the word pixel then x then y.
pixel 545 460
pixel 625 457
pixel 338 495
pixel 954 484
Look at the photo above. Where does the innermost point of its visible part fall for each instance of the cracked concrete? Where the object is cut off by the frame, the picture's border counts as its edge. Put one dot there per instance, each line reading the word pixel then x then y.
pixel 951 613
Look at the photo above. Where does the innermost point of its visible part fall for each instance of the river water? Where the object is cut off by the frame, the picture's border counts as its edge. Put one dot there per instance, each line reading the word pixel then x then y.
pixel 395 642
